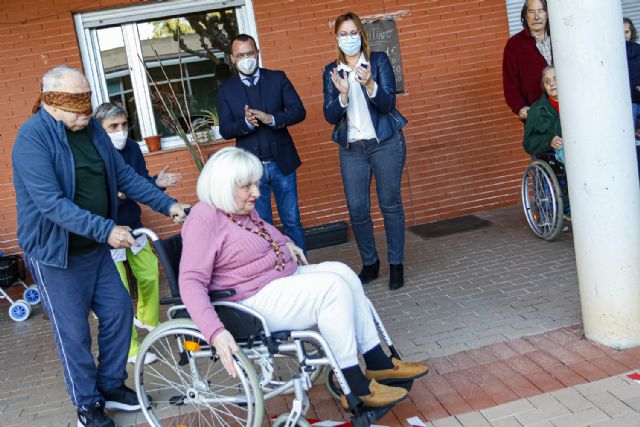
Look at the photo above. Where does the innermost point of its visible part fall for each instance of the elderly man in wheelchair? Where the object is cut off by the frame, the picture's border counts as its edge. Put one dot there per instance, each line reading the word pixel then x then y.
pixel 544 185
pixel 240 279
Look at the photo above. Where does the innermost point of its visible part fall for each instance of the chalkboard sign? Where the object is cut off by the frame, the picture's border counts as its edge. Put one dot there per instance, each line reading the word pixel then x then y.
pixel 383 37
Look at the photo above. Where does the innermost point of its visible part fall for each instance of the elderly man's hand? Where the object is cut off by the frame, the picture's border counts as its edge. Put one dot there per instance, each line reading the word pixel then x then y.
pixel 524 111
pixel 177 212
pixel 225 345
pixel 297 254
pixel 120 237
pixel 167 179
pixel 556 142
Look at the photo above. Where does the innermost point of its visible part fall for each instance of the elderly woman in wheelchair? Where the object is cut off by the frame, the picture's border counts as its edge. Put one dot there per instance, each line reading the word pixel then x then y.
pixel 264 280
pixel 544 184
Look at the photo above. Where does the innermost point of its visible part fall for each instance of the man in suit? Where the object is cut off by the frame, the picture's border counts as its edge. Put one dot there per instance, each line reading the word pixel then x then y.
pixel 255 107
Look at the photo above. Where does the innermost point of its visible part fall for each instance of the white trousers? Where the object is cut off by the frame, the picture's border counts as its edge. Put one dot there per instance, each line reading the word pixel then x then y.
pixel 329 295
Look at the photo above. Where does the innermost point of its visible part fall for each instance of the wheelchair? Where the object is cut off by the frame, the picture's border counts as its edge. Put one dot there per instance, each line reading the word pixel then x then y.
pixel 188 386
pixel 544 196
pixel 11 273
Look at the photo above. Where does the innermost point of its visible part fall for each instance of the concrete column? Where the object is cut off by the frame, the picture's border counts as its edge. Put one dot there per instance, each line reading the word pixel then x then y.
pixel 595 112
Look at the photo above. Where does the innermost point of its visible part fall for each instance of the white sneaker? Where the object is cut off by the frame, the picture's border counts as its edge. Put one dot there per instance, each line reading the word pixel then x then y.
pixel 149 358
pixel 139 324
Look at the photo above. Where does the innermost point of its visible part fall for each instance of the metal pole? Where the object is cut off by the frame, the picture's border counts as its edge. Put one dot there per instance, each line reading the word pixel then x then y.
pixel 595 112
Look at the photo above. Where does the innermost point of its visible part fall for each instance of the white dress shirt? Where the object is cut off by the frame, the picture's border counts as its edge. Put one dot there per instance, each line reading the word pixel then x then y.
pixel 359 119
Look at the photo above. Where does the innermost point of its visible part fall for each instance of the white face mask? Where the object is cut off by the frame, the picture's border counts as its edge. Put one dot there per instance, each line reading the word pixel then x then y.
pixel 119 139
pixel 247 65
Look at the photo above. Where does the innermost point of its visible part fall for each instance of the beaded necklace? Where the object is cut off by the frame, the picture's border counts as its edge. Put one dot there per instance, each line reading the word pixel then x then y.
pixel 262 232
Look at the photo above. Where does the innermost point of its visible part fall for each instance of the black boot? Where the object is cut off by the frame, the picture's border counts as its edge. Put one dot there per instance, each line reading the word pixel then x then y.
pixel 369 272
pixel 396 277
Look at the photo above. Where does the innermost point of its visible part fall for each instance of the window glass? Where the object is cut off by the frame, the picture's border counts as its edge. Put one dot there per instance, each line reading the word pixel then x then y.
pixel 185 60
pixel 118 75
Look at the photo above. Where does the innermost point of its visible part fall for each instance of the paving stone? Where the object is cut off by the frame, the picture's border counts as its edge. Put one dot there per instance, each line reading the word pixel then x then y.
pixel 573 400
pixel 585 417
pixel 614 384
pixel 507 409
pixel 506 422
pixel 611 405
pixel 447 422
pixel 547 407
pixel 632 420
pixel 473 419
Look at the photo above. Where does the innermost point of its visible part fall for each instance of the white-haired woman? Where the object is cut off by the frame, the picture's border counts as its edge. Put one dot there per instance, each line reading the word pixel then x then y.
pixel 227 246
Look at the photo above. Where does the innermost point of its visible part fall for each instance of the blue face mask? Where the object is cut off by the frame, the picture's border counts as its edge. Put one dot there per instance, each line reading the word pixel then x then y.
pixel 350 45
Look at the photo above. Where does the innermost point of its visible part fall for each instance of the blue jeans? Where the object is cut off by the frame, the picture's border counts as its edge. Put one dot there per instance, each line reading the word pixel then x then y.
pixel 635 110
pixel 89 283
pixel 386 160
pixel 285 191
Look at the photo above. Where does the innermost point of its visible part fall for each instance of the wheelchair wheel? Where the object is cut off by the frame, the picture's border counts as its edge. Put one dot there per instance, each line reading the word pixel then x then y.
pixel 19 311
pixel 542 200
pixel 32 295
pixel 285 366
pixel 188 384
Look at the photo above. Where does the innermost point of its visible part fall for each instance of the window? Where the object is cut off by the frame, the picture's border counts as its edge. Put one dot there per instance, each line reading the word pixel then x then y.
pixel 175 47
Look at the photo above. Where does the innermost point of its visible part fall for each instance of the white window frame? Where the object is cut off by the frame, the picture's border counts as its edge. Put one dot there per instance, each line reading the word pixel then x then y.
pixel 87 24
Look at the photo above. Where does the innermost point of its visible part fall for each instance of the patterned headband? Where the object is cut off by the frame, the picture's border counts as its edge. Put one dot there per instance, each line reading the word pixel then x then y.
pixel 79 103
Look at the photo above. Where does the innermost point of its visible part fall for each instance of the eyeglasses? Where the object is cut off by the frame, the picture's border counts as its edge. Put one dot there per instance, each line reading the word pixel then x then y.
pixel 251 54
pixel 344 34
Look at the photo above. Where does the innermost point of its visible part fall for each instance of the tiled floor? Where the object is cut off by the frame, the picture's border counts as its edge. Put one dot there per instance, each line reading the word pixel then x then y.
pixel 493 310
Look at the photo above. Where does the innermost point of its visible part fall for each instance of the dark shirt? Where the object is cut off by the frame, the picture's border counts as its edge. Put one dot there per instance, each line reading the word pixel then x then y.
pixel 91 186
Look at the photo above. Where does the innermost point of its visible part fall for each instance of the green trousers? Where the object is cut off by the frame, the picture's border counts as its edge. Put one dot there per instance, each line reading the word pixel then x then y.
pixel 144 267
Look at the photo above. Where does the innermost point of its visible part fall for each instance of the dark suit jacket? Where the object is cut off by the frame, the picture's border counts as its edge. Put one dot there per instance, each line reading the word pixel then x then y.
pixel 278 98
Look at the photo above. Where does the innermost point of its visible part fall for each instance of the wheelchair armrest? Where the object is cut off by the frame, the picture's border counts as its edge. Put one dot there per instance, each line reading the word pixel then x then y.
pixel 218 295
pixel 170 300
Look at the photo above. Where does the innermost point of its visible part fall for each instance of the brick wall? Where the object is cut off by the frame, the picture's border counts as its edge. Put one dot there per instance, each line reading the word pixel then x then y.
pixel 463 144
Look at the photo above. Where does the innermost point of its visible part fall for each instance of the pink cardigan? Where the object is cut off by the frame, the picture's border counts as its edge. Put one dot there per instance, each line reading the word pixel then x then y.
pixel 217 254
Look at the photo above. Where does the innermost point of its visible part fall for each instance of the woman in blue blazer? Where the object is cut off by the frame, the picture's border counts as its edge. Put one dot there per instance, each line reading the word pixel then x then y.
pixel 359 100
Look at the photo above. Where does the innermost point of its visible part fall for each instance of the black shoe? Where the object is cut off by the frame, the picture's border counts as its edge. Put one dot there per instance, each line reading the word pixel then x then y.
pixel 396 276
pixel 121 399
pixel 369 272
pixel 94 416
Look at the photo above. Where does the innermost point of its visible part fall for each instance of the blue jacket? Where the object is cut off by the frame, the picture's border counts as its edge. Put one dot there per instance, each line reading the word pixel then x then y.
pixel 128 210
pixel 279 98
pixel 633 60
pixel 387 121
pixel 44 181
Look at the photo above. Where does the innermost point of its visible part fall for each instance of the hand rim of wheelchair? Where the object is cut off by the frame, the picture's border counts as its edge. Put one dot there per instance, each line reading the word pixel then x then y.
pixel 545 184
pixel 250 400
